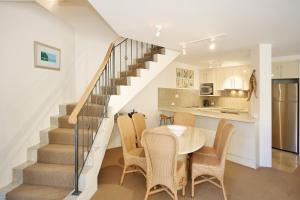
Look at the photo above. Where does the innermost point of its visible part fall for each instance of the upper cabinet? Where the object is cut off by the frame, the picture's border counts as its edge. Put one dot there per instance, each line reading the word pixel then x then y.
pixel 282 70
pixel 207 76
pixel 227 78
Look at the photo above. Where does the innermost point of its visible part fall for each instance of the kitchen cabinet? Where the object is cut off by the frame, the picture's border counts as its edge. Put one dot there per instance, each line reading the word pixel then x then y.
pixel 275 70
pixel 227 78
pixel 245 74
pixel 282 70
pixel 235 78
pixel 207 76
pixel 219 79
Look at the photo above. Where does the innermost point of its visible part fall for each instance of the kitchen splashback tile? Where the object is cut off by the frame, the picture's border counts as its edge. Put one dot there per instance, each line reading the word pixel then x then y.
pixel 180 97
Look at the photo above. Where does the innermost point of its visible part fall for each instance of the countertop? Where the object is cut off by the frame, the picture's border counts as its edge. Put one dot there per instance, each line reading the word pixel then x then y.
pixel 213 112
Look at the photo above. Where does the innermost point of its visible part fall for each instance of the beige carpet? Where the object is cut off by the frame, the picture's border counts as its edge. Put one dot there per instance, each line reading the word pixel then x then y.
pixel 241 183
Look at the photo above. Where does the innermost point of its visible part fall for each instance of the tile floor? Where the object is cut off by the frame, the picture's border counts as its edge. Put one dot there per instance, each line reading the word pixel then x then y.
pixel 284 161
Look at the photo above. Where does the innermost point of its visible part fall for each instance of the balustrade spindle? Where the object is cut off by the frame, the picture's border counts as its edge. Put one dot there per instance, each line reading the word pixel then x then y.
pixel 85 116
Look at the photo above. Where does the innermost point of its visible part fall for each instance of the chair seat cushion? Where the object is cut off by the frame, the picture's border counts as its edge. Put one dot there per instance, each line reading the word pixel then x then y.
pixel 210 151
pixel 204 160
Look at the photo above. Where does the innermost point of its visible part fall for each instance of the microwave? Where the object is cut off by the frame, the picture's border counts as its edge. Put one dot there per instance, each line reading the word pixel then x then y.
pixel 206 89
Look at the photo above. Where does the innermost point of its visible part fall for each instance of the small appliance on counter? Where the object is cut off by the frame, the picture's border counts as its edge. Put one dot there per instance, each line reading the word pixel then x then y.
pixel 206 103
pixel 206 89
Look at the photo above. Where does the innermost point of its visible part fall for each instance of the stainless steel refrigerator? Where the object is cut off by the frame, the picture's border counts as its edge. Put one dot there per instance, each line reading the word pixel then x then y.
pixel 285 106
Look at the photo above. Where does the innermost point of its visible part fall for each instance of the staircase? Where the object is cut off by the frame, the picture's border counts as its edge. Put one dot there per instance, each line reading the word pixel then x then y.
pixel 66 163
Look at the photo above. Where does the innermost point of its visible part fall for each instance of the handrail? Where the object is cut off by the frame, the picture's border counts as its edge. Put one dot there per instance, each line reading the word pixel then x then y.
pixel 73 117
pixel 123 57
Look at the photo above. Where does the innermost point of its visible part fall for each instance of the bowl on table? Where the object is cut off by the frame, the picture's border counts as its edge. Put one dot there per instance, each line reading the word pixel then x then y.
pixel 178 130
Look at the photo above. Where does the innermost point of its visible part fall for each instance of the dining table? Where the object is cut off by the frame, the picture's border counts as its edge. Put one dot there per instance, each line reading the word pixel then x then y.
pixel 191 139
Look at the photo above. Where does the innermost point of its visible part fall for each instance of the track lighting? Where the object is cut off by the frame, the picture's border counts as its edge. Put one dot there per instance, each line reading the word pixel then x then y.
pixel 211 39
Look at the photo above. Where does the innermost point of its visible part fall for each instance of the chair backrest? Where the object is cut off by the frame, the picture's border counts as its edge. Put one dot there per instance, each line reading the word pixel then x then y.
pixel 224 143
pixel 139 123
pixel 185 119
pixel 219 132
pixel 127 133
pixel 161 151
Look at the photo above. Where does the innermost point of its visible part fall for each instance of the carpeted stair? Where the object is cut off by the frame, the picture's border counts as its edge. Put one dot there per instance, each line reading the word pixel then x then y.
pixel 52 176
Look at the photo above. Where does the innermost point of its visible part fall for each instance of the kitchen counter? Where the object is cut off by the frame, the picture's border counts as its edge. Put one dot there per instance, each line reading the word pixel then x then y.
pixel 242 148
pixel 213 112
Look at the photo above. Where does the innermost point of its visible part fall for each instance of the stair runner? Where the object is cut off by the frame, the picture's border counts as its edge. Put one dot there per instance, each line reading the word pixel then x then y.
pixel 52 176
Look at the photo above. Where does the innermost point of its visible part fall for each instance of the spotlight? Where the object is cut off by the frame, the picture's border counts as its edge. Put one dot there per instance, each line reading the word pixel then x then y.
pixel 183 48
pixel 158 30
pixel 212 46
pixel 157 34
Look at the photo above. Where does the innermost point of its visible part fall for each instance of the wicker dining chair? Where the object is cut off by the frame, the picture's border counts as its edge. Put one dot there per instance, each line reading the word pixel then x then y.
pixel 185 119
pixel 139 123
pixel 164 171
pixel 217 141
pixel 211 167
pixel 134 157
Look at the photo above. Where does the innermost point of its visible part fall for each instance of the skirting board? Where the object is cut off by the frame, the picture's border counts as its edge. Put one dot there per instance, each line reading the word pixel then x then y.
pixel 242 161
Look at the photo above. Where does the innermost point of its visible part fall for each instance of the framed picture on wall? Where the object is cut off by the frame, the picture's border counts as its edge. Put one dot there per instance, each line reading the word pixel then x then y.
pixel 46 56
pixel 184 78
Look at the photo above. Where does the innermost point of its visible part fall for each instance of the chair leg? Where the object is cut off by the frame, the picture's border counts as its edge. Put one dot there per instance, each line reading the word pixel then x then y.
pixel 123 174
pixel 193 186
pixel 223 189
pixel 175 196
pixel 147 194
pixel 183 191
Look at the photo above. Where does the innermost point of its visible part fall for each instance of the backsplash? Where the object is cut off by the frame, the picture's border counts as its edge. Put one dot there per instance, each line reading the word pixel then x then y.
pixel 178 97
pixel 231 102
pixel 191 98
pixel 232 99
pixel 234 93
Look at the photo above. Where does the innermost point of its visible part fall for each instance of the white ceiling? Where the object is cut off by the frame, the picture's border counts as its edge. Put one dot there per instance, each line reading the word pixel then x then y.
pixel 246 22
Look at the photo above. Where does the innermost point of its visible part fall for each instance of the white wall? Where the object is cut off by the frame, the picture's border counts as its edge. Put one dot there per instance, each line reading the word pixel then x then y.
pixel 261 106
pixel 29 95
pixel 92 37
pixel 147 100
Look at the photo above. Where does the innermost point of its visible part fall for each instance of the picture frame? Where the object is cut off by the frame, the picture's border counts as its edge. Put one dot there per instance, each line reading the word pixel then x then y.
pixel 46 56
pixel 184 78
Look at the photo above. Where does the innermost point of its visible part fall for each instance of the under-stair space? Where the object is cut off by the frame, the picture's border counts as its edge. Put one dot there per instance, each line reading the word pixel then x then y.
pixel 70 153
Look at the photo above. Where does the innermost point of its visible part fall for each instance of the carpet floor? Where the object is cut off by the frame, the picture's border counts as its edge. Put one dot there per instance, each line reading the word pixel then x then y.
pixel 241 183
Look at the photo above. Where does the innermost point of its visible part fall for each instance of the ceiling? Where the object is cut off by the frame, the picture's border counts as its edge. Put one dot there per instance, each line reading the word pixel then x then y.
pixel 246 23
